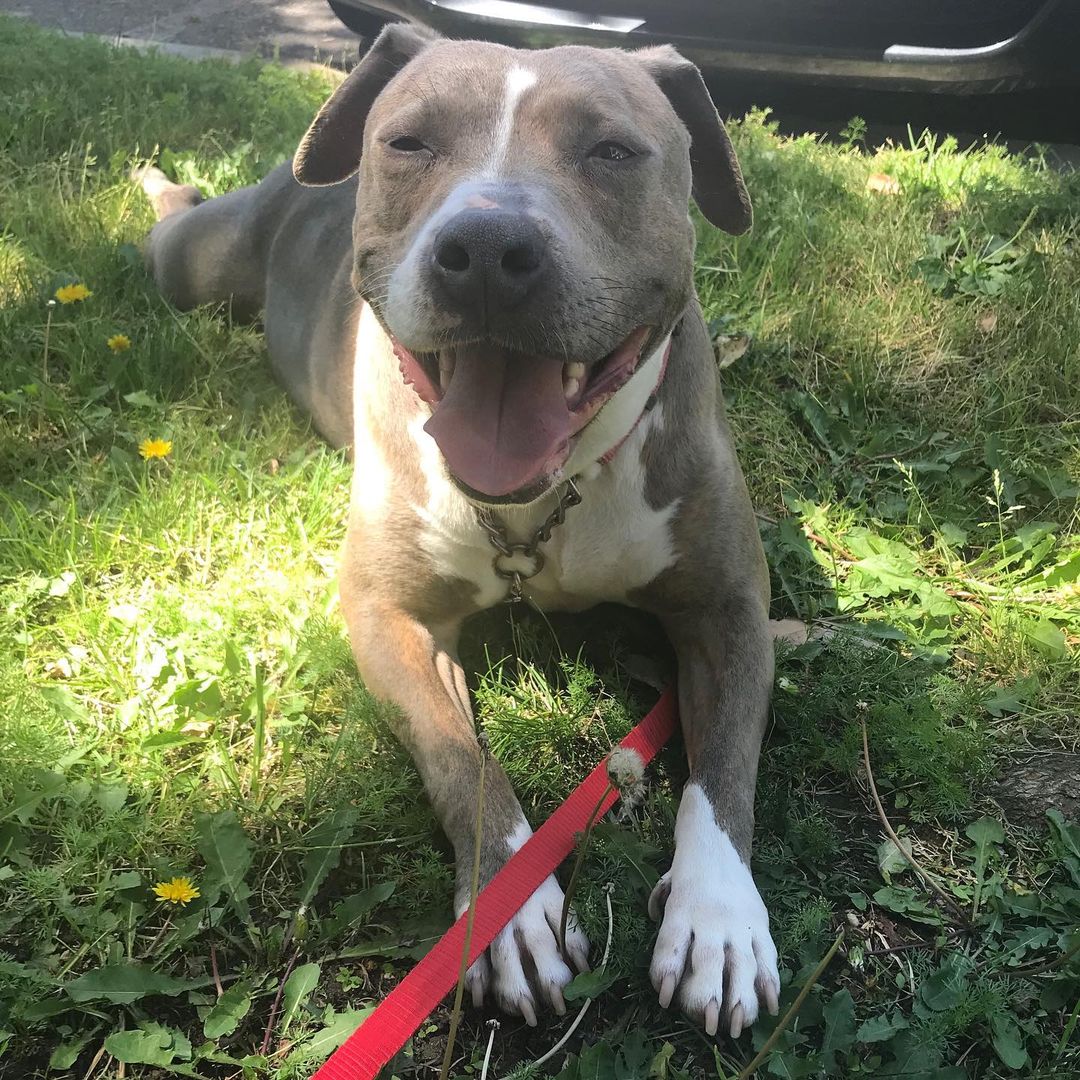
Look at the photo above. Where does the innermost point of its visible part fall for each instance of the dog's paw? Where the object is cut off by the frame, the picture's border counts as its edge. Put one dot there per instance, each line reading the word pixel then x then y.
pixel 714 948
pixel 523 964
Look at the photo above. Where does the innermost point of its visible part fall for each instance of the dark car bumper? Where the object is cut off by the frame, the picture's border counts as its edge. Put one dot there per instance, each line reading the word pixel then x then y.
pixel 1042 51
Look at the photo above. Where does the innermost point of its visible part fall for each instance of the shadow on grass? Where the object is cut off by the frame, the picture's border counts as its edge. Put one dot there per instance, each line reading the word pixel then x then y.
pixel 844 375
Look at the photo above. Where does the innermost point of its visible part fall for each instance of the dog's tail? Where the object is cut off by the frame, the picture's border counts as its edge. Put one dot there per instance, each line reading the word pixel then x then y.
pixel 166 197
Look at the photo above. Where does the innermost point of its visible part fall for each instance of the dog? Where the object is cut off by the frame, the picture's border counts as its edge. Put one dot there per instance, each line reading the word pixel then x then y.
pixel 530 396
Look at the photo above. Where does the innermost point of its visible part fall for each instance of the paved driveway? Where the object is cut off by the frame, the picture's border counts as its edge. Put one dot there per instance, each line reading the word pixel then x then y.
pixel 299 29
pixel 306 30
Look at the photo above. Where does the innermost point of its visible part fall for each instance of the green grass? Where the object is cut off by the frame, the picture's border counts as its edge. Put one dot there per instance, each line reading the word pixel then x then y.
pixel 177 696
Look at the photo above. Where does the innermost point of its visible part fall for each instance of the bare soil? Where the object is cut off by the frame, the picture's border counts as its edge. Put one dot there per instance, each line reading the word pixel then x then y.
pixel 1037 781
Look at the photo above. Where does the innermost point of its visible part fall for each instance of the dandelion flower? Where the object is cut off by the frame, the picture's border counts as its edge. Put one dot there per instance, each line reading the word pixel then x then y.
pixel 72 294
pixel 155 448
pixel 178 891
pixel 119 343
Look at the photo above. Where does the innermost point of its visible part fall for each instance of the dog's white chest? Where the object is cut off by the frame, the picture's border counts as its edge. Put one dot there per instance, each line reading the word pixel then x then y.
pixel 610 544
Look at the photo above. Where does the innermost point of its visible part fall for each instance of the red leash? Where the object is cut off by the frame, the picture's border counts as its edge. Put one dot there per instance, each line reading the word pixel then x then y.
pixel 386 1030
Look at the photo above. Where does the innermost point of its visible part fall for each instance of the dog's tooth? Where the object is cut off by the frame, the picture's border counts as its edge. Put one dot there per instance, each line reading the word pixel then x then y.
pixel 572 374
pixel 447 364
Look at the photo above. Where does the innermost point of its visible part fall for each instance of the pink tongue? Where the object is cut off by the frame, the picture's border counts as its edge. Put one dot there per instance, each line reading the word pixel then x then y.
pixel 502 420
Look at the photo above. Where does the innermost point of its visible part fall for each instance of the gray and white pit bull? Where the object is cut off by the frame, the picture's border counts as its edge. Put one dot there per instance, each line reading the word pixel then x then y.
pixel 523 254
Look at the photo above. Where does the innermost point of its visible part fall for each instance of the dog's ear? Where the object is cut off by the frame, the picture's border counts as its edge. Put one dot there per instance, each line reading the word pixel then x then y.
pixel 330 150
pixel 719 190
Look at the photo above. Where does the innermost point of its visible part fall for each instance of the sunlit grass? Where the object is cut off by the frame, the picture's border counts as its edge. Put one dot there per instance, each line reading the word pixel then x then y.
pixel 170 644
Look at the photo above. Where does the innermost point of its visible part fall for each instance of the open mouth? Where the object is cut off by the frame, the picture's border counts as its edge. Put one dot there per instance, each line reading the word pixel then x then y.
pixel 506 420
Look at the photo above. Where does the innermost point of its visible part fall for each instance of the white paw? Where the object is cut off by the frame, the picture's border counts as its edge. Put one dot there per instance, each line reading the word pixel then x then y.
pixel 529 943
pixel 714 946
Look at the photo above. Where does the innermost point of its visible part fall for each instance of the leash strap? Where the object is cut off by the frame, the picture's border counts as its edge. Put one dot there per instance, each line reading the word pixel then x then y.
pixel 406 1007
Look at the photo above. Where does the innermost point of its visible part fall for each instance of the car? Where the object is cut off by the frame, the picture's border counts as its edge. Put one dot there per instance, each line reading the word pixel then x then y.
pixel 963 47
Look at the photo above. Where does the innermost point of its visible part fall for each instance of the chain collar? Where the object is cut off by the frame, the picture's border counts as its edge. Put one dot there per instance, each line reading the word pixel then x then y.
pixel 506 549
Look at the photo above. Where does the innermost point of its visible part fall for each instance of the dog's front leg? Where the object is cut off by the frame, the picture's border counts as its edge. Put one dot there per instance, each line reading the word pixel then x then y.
pixel 415 667
pixel 714 945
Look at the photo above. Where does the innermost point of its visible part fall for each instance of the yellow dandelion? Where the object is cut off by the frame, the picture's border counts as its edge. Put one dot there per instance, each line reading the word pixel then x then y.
pixel 155 448
pixel 178 891
pixel 72 294
pixel 119 343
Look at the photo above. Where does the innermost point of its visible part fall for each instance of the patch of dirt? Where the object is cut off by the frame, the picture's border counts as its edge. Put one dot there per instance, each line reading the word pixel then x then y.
pixel 1036 781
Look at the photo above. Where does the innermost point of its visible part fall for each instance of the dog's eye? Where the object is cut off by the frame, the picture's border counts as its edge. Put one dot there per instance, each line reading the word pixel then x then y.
pixel 407 144
pixel 611 151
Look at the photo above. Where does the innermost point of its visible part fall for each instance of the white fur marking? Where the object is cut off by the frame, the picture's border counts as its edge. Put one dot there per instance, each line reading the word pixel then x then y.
pixel 371 476
pixel 714 920
pixel 612 543
pixel 530 933
pixel 518 80
pixel 449 530
pixel 520 836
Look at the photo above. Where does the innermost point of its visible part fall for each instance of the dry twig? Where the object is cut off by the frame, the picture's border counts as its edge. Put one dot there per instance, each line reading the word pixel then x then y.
pixel 588 1001
pixel 1029 970
pixel 579 861
pixel 474 885
pixel 796 1005
pixel 277 1003
pixel 891 833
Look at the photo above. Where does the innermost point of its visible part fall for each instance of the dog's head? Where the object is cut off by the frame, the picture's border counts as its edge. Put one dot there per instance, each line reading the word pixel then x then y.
pixel 522 231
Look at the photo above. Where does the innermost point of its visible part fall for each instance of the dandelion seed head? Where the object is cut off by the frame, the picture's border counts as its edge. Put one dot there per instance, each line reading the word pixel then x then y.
pixel 625 767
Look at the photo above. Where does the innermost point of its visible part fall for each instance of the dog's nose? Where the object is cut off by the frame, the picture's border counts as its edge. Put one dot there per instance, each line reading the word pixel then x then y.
pixel 489 259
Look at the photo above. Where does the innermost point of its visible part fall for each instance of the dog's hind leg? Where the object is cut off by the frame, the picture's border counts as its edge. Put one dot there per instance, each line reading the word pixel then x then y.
pixel 166 197
pixel 202 252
